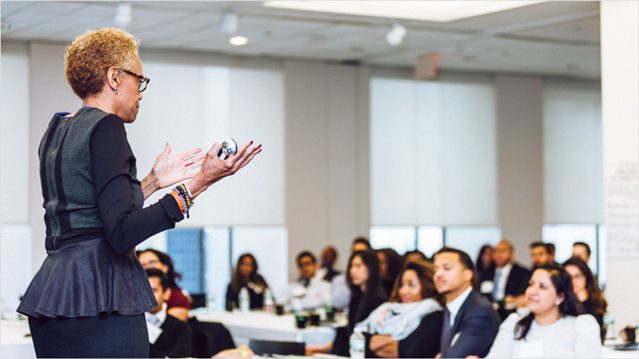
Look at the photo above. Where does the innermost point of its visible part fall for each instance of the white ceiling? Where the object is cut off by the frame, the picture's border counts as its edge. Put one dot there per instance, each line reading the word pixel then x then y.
pixel 554 38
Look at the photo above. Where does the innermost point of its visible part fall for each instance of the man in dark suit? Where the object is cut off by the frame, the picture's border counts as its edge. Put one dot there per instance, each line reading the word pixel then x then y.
pixel 470 323
pixel 509 282
pixel 168 336
pixel 327 259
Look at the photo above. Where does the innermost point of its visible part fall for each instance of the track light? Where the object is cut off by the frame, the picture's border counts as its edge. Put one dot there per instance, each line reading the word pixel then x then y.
pixel 238 40
pixel 228 24
pixel 123 15
pixel 396 34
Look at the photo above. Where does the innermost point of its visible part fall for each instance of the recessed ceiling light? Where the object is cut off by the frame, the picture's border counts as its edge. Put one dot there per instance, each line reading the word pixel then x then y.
pixel 238 40
pixel 439 11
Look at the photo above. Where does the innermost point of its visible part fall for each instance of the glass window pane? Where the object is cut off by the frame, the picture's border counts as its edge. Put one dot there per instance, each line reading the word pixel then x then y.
pixel 184 247
pixel 564 235
pixel 471 239
pixel 430 239
pixel 401 239
pixel 269 246
pixel 217 264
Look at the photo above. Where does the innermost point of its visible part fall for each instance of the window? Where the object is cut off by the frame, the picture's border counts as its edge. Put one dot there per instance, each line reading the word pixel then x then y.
pixel 401 239
pixel 471 239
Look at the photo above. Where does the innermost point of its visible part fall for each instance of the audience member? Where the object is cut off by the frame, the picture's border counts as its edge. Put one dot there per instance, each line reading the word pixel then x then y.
pixel 361 244
pixel 540 254
pixel 581 250
pixel 409 326
pixel 363 278
pixel 327 260
pixel 415 256
pixel 551 253
pixel 390 265
pixel 554 328
pixel 312 292
pixel 485 266
pixel 169 337
pixel 340 292
pixel 587 291
pixel 178 305
pixel 246 276
pixel 470 323
pixel 510 281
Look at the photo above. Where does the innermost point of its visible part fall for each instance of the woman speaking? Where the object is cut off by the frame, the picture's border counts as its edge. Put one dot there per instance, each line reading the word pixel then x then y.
pixel 89 297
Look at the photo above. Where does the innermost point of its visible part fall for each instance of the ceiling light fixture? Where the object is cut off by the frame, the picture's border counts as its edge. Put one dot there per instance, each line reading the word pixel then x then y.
pixel 439 11
pixel 123 15
pixel 396 34
pixel 238 40
pixel 229 23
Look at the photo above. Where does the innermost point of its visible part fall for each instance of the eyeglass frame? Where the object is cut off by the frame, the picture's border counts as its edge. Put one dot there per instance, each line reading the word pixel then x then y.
pixel 143 79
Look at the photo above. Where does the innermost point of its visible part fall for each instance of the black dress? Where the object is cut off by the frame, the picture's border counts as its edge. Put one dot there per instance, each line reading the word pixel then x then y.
pixel 589 308
pixel 256 295
pixel 343 334
pixel 91 279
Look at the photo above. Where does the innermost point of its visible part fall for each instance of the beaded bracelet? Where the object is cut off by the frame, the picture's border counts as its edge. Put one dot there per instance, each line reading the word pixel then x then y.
pixel 178 200
pixel 184 191
pixel 182 203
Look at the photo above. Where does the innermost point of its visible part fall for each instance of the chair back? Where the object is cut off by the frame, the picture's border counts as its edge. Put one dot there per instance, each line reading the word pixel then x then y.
pixel 267 347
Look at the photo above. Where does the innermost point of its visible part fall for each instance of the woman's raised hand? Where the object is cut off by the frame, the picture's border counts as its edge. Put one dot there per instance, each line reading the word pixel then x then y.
pixel 214 169
pixel 169 171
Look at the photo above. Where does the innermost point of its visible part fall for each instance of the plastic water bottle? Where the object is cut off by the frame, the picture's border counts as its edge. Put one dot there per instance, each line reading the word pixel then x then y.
pixel 245 301
pixel 269 306
pixel 357 344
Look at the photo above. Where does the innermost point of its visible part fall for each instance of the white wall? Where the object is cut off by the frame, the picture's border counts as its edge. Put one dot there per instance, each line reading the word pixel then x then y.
pixel 620 96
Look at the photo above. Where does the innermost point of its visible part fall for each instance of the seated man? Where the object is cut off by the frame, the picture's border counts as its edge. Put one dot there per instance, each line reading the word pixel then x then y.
pixel 540 254
pixel 308 292
pixel 581 250
pixel 470 323
pixel 168 336
pixel 328 258
pixel 509 282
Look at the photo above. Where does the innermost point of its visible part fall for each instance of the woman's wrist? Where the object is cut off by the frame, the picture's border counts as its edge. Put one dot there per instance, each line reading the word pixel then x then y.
pixel 149 185
pixel 196 186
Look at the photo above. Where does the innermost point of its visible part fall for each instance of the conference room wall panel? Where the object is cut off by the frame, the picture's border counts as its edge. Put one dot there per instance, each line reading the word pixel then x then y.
pixel 14 143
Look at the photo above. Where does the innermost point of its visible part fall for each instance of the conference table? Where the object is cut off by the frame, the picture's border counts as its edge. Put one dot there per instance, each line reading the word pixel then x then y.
pixel 264 326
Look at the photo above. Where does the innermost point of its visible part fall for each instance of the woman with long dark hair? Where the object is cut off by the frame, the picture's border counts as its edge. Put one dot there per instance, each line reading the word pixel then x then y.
pixel 410 324
pixel 554 328
pixel 587 291
pixel 246 276
pixel 178 305
pixel 363 278
pixel 391 263
pixel 485 267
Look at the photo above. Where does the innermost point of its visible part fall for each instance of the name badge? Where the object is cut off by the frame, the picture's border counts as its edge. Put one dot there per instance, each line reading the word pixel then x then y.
pixel 486 287
pixel 452 342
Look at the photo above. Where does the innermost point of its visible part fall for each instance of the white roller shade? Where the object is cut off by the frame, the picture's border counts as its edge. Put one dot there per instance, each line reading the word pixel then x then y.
pixel 573 164
pixel 432 153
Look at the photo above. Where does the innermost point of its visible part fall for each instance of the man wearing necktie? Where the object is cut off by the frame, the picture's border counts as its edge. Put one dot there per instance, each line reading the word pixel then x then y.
pixel 510 282
pixel 168 336
pixel 308 292
pixel 470 323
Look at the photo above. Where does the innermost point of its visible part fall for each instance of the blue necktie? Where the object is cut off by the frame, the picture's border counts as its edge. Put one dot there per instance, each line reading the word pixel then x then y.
pixel 444 343
pixel 496 285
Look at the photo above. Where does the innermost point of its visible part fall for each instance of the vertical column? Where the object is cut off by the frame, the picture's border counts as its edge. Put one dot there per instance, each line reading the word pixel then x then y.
pixel 520 160
pixel 620 95
pixel 326 172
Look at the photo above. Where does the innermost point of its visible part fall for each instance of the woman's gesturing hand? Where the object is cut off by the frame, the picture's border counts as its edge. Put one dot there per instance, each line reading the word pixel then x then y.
pixel 214 169
pixel 169 171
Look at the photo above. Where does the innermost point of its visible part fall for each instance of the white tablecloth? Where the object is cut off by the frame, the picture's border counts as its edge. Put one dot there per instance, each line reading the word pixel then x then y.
pixel 262 326
pixel 13 343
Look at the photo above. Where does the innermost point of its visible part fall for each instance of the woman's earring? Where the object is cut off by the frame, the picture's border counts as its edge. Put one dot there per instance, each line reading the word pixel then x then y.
pixel 116 91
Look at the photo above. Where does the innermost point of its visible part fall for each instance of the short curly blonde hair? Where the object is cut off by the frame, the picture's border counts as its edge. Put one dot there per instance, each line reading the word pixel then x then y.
pixel 90 55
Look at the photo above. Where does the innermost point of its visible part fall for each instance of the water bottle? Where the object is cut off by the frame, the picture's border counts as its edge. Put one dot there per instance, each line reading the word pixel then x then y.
pixel 357 344
pixel 269 306
pixel 245 301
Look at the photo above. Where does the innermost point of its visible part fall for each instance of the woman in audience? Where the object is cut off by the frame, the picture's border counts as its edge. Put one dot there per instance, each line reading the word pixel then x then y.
pixel 363 278
pixel 410 325
pixel 554 328
pixel 485 267
pixel 391 264
pixel 587 291
pixel 178 304
pixel 246 276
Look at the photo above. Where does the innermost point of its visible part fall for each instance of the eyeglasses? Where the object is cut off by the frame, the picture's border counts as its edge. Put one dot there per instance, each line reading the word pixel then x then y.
pixel 144 82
